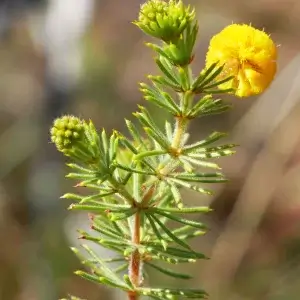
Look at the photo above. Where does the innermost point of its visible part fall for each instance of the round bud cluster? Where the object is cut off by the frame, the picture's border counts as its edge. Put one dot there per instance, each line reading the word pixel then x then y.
pixel 164 20
pixel 67 131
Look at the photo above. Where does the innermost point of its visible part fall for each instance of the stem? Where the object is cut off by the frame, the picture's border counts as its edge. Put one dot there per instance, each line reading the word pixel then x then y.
pixel 135 259
pixel 179 131
pixel 180 128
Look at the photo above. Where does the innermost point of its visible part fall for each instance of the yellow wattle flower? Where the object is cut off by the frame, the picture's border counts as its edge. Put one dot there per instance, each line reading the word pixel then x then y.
pixel 248 54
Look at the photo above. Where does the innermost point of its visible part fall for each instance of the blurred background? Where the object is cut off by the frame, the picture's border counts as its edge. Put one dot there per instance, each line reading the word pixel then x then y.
pixel 85 57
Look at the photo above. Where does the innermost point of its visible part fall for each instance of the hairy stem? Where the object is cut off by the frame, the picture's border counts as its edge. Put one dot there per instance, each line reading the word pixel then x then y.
pixel 180 128
pixel 135 259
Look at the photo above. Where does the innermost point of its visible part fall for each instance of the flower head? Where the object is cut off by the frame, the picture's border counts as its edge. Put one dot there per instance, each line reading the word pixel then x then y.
pixel 66 131
pixel 248 54
pixel 74 137
pixel 165 20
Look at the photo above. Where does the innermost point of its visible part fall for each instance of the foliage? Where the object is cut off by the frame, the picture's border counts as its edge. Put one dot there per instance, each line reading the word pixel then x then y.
pixel 136 181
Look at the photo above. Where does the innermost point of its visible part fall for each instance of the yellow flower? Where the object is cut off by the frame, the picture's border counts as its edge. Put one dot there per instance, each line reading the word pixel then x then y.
pixel 248 54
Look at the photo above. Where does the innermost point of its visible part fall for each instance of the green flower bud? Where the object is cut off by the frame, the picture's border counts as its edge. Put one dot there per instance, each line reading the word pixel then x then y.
pixel 66 131
pixel 165 20
pixel 180 52
pixel 75 138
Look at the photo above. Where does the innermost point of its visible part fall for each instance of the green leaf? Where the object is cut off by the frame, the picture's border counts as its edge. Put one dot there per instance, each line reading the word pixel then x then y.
pixel 128 281
pixel 167 70
pixel 209 78
pixel 135 134
pixel 95 183
pixel 109 233
pixel 149 122
pixel 200 162
pixel 80 168
pixel 104 141
pixel 212 154
pixel 192 36
pixel 217 83
pixel 197 175
pixel 215 136
pixel 112 244
pixel 82 176
pixel 93 265
pixel 72 196
pixel 159 50
pixel 136 185
pixel 192 234
pixel 169 132
pixel 172 103
pixel 96 196
pixel 176 194
pixel 87 276
pixel 155 132
pixel 125 180
pixel 100 207
pixel 88 237
pixel 132 170
pixel 216 110
pixel 161 104
pixel 202 76
pixel 162 141
pixel 208 106
pixel 169 272
pixel 169 233
pixel 158 95
pixel 107 281
pixel 113 148
pixel 202 178
pixel 180 253
pixel 189 186
pixel 156 231
pixel 181 220
pixel 200 105
pixel 165 256
pixel 167 292
pixel 95 135
pixel 114 259
pixel 222 91
pixel 116 248
pixel 126 143
pixel 106 223
pixel 162 81
pixel 185 210
pixel 182 229
pixel 123 215
pixel 217 148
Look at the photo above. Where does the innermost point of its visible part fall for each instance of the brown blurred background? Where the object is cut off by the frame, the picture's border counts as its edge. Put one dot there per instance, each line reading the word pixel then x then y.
pixel 85 57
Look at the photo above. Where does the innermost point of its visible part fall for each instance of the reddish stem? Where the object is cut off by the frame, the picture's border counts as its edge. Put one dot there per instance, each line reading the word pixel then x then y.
pixel 135 259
